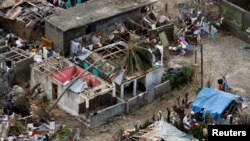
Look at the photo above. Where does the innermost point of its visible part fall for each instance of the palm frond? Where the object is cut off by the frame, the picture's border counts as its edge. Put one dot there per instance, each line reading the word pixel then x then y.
pixel 137 59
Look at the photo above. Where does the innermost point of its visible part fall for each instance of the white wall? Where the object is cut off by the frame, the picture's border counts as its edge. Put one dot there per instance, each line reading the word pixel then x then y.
pixel 153 79
pixel 69 102
pixel 46 83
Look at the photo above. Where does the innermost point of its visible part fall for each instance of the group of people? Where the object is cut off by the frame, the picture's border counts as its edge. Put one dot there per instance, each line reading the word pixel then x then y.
pixel 8 106
pixel 189 121
pixel 224 84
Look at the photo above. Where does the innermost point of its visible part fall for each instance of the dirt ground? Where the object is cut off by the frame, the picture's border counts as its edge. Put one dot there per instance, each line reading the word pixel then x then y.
pixel 222 56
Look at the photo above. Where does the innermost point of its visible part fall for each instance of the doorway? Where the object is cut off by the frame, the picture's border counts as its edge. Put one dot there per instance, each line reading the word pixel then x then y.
pixel 54 91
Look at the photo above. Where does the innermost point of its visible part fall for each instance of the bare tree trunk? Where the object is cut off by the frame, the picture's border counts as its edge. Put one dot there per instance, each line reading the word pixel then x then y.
pixel 168 116
pixel 186 100
pixel 201 66
pixel 181 114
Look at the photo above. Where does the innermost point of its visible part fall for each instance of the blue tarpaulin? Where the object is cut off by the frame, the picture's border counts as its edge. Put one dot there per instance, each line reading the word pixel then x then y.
pixel 212 101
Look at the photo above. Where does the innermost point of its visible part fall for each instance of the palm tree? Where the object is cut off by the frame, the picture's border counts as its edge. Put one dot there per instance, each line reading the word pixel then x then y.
pixel 137 60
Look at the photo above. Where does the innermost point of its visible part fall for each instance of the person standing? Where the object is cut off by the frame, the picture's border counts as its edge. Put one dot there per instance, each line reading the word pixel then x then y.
pixel 220 84
pixel 213 31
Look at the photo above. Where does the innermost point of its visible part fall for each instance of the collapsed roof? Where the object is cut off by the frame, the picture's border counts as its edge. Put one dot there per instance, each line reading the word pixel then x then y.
pixel 29 12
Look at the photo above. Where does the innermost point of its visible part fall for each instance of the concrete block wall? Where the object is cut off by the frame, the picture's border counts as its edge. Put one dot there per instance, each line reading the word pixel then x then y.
pixel 69 102
pixel 104 115
pixel 168 29
pixel 162 89
pixel 136 102
pixel 238 14
pixel 55 35
pixel 46 82
pixel 22 71
pixel 246 21
pixel 153 79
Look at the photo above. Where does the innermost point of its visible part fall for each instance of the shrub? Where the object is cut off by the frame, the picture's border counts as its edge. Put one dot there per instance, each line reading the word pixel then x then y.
pixel 63 133
pixel 198 131
pixel 44 100
pixel 185 75
pixel 22 106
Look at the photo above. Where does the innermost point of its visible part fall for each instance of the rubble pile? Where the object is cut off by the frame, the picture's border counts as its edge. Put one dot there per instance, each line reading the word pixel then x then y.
pixel 28 12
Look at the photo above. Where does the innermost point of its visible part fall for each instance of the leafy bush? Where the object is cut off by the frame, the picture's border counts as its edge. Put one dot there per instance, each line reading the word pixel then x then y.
pixel 197 132
pixel 44 100
pixel 185 75
pixel 22 106
pixel 18 126
pixel 64 133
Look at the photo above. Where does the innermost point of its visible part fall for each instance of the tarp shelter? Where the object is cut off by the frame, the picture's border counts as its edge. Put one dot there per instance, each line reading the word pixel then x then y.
pixel 212 101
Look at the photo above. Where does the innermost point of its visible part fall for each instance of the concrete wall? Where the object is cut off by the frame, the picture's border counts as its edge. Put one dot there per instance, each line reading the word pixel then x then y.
pixel 141 99
pixel 69 102
pixel 162 89
pixel 237 19
pixel 104 115
pixel 55 35
pixel 246 20
pixel 241 3
pixel 136 102
pixel 46 82
pixel 22 71
pixel 152 80
pixel 168 29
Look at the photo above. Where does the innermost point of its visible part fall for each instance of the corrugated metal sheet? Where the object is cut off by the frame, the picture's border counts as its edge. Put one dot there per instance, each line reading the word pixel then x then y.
pixel 84 55
pixel 78 86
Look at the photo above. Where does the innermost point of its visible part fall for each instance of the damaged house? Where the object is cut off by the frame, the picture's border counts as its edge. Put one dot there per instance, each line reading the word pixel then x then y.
pixel 106 62
pixel 90 17
pixel 88 97
pixel 16 63
pixel 25 18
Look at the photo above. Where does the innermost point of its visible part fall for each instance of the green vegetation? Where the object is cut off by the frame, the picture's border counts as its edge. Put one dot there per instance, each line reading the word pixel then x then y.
pixel 44 100
pixel 64 133
pixel 184 76
pixel 197 132
pixel 146 124
pixel 145 45
pixel 137 59
pixel 18 126
pixel 232 14
pixel 22 106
